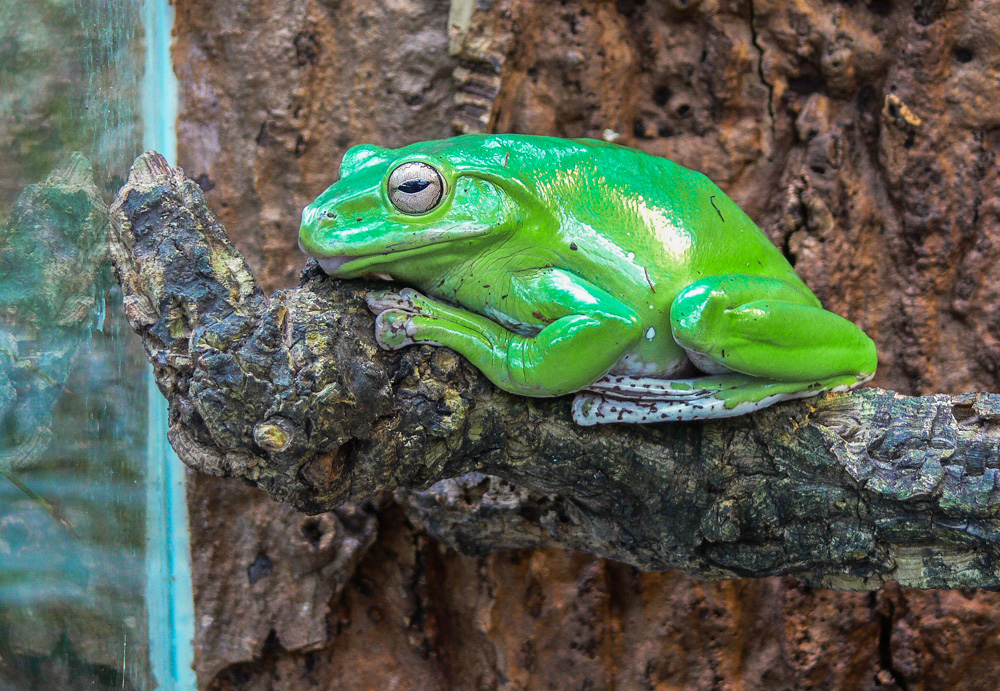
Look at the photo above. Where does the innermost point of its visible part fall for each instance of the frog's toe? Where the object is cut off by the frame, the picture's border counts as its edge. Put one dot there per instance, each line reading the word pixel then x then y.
pixel 393 329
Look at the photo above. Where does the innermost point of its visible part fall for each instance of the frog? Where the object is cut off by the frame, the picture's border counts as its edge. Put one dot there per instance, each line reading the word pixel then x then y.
pixel 579 266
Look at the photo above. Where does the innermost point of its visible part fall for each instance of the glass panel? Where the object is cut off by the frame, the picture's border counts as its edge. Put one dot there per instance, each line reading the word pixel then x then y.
pixel 78 504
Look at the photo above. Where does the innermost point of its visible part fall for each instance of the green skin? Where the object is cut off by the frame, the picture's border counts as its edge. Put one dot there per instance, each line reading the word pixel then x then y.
pixel 559 266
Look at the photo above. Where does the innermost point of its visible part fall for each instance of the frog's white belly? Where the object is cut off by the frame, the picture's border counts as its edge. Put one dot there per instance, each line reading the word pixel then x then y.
pixel 706 364
pixel 633 366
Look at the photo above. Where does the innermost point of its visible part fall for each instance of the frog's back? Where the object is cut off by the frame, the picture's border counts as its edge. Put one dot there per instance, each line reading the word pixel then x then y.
pixel 676 218
pixel 640 210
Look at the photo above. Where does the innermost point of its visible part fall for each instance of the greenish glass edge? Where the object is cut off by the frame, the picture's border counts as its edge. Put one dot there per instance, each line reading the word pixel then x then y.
pixel 169 601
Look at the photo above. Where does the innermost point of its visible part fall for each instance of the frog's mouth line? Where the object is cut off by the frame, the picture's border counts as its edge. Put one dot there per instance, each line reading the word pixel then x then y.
pixel 328 264
pixel 331 265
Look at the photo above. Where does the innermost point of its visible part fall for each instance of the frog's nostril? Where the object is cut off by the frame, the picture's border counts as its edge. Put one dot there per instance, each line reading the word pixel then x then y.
pixel 330 214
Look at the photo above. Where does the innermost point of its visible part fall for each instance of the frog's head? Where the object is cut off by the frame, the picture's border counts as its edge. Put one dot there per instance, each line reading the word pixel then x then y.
pixel 395 209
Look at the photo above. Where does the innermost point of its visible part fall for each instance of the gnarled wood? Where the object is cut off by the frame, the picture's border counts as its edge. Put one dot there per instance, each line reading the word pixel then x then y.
pixel 291 394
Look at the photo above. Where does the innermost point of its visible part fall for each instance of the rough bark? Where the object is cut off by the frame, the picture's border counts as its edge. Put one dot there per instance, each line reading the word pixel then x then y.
pixel 860 135
pixel 286 568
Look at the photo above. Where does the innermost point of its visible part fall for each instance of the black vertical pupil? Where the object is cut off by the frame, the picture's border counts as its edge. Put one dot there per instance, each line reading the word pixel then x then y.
pixel 414 186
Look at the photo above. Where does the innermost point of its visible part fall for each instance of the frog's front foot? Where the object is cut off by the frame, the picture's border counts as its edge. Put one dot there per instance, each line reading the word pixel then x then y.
pixel 395 327
pixel 406 300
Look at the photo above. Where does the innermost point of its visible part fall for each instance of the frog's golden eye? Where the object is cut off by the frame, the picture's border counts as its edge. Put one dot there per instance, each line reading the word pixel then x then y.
pixel 415 187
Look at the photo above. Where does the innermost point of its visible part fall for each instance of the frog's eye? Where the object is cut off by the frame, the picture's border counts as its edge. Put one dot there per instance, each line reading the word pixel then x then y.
pixel 415 187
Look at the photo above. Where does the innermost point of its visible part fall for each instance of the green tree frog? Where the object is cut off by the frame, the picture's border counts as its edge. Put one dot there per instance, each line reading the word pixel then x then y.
pixel 559 266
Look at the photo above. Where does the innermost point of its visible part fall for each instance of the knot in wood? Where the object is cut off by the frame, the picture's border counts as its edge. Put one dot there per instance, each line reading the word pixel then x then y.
pixel 272 435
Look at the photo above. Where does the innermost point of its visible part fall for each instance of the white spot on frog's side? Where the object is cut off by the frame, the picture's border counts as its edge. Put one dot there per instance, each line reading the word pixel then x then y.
pixel 630 256
pixel 650 333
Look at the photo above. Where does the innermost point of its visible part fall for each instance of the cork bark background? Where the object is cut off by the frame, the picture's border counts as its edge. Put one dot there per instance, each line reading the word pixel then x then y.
pixel 861 135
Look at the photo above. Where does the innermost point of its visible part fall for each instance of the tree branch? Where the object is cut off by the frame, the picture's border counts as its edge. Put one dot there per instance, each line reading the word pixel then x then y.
pixel 291 394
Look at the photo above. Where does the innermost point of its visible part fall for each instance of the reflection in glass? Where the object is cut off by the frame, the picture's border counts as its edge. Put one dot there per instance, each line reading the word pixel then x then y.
pixel 73 395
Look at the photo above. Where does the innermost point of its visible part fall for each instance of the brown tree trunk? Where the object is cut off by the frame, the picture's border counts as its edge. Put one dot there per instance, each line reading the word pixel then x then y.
pixel 862 136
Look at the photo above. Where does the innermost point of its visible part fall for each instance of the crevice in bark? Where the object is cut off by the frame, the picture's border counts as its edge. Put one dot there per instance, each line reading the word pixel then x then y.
pixel 886 623
pixel 755 39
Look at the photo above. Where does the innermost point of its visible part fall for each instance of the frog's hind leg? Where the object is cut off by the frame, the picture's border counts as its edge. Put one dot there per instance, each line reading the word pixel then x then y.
pixel 639 400
pixel 760 339
pixel 767 328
